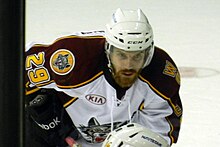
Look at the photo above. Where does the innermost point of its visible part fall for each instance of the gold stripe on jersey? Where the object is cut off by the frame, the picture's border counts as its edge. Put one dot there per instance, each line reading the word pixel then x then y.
pixel 70 102
pixel 26 85
pixel 177 110
pixel 162 95
pixel 83 83
pixel 172 105
pixel 31 91
pixel 72 86
pixel 171 131
pixel 141 107
pixel 46 83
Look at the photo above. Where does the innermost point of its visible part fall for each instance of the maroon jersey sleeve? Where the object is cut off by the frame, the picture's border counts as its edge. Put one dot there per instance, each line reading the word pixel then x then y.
pixel 64 62
pixel 163 77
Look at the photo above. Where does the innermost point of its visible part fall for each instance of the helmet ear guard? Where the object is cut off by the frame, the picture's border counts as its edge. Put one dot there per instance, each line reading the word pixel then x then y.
pixel 130 30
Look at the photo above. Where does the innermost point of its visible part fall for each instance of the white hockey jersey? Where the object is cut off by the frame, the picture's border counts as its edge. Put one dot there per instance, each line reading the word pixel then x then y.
pixel 76 66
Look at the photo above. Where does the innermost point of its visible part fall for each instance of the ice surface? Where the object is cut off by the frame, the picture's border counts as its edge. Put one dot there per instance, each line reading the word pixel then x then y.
pixel 187 29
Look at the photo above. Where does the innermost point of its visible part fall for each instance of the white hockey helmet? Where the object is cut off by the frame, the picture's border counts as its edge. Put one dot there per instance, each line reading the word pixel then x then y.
pixel 134 135
pixel 130 30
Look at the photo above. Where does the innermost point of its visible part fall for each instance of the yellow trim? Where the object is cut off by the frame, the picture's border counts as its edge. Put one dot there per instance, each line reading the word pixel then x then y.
pixel 171 130
pixel 162 95
pixel 142 106
pixel 167 98
pixel 73 86
pixel 26 85
pixel 69 102
pixel 46 83
pixel 83 83
pixel 31 91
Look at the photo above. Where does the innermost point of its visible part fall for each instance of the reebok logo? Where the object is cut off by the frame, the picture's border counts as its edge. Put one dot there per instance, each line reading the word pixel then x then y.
pixel 51 125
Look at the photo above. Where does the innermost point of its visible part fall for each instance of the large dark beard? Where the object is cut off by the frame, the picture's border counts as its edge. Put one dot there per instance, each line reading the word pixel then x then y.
pixel 123 81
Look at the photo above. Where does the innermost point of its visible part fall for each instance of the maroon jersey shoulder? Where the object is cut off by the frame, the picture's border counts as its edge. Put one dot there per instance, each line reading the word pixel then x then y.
pixel 162 74
pixel 69 61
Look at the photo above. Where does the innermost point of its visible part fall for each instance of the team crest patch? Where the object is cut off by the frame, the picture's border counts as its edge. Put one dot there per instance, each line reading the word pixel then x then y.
pixel 62 62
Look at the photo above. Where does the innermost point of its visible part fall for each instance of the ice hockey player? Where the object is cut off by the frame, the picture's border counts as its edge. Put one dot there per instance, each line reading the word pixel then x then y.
pixel 88 84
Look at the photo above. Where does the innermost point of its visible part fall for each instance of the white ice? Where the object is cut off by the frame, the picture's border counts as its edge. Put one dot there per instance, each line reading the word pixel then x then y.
pixel 189 30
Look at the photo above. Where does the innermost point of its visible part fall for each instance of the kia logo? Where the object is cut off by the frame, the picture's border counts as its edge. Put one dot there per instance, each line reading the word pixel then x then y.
pixel 96 99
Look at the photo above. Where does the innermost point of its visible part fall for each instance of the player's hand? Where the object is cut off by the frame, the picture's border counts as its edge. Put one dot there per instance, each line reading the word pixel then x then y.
pixel 71 142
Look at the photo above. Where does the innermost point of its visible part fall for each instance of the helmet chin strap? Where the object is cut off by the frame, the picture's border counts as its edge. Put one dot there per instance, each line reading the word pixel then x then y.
pixel 107 52
pixel 110 65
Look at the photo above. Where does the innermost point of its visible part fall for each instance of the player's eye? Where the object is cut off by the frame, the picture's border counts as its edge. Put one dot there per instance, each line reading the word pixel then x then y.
pixel 138 57
pixel 121 55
